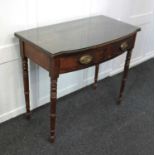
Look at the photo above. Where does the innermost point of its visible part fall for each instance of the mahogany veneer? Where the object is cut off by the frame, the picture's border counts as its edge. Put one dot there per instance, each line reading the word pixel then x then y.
pixel 75 45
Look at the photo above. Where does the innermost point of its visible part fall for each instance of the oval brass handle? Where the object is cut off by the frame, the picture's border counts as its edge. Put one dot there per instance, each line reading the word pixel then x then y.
pixel 86 59
pixel 124 46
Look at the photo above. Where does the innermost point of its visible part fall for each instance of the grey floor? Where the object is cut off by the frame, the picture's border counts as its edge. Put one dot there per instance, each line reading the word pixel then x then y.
pixel 89 122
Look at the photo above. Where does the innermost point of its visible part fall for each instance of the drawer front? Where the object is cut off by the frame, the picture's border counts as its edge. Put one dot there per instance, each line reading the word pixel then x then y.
pixel 91 57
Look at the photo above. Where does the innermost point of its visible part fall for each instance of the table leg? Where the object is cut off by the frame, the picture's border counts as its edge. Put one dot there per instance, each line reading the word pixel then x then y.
pixel 96 76
pixel 25 80
pixel 53 100
pixel 26 86
pixel 125 74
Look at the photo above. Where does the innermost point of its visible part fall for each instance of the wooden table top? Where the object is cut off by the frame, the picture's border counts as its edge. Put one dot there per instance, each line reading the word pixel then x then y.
pixel 75 35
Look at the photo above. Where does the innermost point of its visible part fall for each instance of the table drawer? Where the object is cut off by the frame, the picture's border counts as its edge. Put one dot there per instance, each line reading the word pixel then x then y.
pixel 90 57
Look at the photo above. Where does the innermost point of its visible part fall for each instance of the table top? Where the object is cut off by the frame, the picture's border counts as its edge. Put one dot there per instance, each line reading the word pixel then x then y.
pixel 75 35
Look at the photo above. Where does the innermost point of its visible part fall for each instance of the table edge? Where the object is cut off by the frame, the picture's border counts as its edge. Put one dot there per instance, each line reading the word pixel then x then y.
pixel 76 50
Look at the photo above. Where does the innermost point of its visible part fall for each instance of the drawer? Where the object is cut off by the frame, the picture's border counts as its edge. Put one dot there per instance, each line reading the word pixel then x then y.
pixel 122 46
pixel 87 58
pixel 80 60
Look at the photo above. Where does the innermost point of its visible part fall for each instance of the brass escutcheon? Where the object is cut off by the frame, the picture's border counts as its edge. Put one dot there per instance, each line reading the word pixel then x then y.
pixel 86 59
pixel 124 46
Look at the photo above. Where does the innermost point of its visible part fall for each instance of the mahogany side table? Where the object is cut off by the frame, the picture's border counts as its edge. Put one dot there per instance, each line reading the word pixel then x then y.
pixel 72 46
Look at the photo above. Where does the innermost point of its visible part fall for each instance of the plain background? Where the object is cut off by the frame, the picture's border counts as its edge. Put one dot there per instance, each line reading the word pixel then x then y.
pixel 16 15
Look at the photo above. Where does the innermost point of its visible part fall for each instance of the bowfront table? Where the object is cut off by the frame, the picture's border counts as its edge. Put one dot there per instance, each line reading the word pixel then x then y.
pixel 74 45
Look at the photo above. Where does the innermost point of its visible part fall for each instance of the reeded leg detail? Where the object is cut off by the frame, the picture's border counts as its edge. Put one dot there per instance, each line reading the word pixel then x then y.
pixel 26 86
pixel 96 76
pixel 125 74
pixel 53 100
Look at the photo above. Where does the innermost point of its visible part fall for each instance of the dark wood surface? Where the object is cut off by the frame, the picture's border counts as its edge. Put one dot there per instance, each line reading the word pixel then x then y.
pixel 75 45
pixel 76 35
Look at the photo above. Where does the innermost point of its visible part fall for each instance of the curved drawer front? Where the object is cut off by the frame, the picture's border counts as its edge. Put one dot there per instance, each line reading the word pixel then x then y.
pixel 87 58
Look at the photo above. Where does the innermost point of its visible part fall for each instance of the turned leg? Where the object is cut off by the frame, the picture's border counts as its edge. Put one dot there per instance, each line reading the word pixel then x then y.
pixel 96 76
pixel 53 100
pixel 125 74
pixel 25 80
pixel 26 86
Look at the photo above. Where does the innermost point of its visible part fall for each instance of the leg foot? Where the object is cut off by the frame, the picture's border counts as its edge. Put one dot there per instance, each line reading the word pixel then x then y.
pixel 28 116
pixel 94 85
pixel 52 139
pixel 119 101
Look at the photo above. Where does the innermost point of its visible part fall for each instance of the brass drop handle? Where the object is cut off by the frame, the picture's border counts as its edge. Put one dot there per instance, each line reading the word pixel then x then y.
pixel 124 46
pixel 86 59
